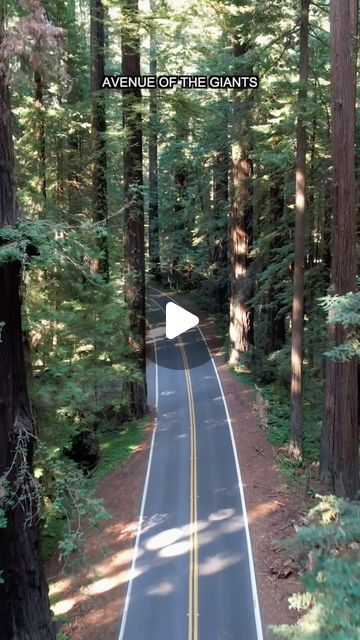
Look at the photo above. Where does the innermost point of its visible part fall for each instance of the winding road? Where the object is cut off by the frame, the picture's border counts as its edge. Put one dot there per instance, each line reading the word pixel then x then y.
pixel 192 575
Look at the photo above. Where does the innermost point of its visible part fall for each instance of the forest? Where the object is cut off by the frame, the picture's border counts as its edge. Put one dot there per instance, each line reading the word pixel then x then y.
pixel 244 201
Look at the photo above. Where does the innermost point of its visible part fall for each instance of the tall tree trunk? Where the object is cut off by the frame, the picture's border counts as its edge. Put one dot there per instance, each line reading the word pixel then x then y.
pixel 339 448
pixel 239 229
pixel 219 241
pixel 300 212
pixel 24 603
pixel 134 242
pixel 98 133
pixel 74 96
pixel 154 240
pixel 179 229
pixel 40 137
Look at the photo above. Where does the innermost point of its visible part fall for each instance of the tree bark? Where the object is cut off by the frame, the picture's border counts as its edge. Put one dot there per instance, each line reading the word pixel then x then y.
pixel 134 242
pixel 24 603
pixel 300 213
pixel 339 447
pixel 98 133
pixel 154 240
pixel 239 230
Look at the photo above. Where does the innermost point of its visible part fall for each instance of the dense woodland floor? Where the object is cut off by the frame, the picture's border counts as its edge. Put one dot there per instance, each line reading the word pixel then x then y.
pixel 245 201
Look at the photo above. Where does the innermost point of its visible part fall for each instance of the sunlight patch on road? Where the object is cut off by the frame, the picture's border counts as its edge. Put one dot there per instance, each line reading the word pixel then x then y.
pixel 167 542
pixel 163 539
pixel 233 525
pixel 177 549
pixel 222 514
pixel 162 589
pixel 218 563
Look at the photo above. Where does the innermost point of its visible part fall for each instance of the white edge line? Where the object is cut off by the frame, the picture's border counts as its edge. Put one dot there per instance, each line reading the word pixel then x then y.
pixel 258 623
pixel 142 508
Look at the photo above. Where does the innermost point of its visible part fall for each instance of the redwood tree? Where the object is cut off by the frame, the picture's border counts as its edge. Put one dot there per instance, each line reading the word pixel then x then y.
pixel 339 449
pixel 98 133
pixel 154 243
pixel 239 324
pixel 134 243
pixel 300 212
pixel 24 603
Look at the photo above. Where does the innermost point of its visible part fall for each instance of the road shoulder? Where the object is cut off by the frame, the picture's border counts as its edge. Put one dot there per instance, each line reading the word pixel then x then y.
pixel 89 598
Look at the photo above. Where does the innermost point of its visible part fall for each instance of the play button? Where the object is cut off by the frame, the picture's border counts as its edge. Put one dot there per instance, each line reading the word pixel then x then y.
pixel 166 321
pixel 178 320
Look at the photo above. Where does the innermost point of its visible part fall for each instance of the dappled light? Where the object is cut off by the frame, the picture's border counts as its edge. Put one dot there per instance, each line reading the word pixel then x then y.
pixel 217 564
pixel 176 549
pixel 169 536
pixel 179 319
pixel 261 510
pixel 63 606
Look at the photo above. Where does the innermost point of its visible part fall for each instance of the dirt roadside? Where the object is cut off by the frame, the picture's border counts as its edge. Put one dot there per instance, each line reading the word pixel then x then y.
pixel 90 599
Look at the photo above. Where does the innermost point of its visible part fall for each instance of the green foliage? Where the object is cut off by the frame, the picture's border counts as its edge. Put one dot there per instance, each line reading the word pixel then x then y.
pixel 344 310
pixel 278 417
pixel 328 549
pixel 67 501
pixel 77 326
pixel 115 447
pixel 81 363
pixel 68 496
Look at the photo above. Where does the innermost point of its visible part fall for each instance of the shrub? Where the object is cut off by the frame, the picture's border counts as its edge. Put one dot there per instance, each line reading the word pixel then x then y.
pixel 328 549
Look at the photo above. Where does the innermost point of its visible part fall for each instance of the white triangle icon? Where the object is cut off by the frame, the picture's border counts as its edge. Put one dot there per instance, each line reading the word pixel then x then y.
pixel 178 320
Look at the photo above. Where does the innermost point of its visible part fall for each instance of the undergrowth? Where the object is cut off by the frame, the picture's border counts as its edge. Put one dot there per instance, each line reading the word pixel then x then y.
pixel 116 447
pixel 328 552
pixel 276 397
pixel 58 534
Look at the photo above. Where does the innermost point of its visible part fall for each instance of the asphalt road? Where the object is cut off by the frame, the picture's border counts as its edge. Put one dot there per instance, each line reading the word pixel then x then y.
pixel 192 575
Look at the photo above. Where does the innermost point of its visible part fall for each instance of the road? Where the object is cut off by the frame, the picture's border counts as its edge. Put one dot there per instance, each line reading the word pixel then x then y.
pixel 192 576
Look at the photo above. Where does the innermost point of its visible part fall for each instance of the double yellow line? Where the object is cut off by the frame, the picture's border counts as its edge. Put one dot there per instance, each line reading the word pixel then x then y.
pixel 193 632
pixel 193 572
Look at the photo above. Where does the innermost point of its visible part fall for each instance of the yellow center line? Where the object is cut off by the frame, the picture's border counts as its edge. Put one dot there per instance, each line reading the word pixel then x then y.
pixel 193 574
pixel 193 565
